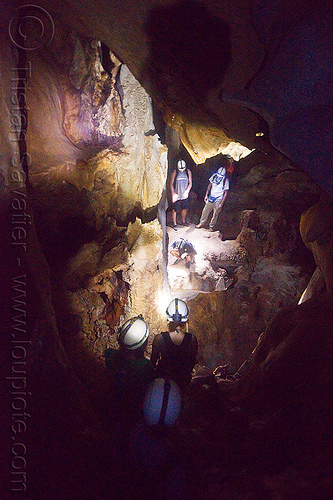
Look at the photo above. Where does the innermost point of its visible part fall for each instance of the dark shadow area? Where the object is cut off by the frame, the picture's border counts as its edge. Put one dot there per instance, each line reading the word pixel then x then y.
pixel 185 42
pixel 106 61
pixel 158 122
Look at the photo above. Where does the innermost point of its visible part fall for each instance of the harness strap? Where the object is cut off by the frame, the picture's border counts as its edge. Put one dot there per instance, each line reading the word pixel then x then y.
pixel 167 387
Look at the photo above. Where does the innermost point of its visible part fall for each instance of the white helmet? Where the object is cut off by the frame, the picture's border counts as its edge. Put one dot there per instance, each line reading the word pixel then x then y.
pixel 177 311
pixel 134 333
pixel 163 402
pixel 221 171
pixel 181 165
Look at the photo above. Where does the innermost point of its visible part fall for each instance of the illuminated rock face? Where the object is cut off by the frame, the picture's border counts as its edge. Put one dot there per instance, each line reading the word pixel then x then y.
pixel 96 163
pixel 316 229
pixel 97 170
pixel 250 77
pixel 260 260
pixel 236 286
pixel 88 127
pixel 97 166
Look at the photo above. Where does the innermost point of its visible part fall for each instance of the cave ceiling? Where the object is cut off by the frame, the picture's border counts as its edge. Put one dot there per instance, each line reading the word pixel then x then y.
pixel 240 67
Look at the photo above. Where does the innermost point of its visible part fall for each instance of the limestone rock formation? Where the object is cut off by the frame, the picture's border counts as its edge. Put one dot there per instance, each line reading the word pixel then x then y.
pixel 83 172
pixel 238 83
pixel 92 163
pixel 258 268
pixel 112 169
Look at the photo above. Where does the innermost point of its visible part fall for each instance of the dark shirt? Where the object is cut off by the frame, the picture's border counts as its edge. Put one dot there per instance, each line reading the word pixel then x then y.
pixel 176 360
pixel 131 376
pixel 183 246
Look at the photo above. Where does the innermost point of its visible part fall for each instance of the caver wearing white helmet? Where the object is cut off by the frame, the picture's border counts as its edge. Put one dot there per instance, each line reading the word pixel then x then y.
pixel 163 402
pixel 134 333
pixel 130 370
pixel 174 352
pixel 177 311
pixel 181 165
pixel 216 192
pixel 221 171
pixel 180 187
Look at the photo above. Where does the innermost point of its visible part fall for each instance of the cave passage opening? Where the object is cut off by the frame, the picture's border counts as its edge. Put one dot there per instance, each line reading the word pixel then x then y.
pixel 103 265
pixel 182 279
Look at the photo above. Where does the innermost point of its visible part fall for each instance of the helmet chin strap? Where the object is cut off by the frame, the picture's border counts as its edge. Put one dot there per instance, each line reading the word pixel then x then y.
pixel 167 387
pixel 177 316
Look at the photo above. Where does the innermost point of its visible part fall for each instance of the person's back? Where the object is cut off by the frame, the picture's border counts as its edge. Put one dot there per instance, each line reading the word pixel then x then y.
pixel 131 372
pixel 183 249
pixel 177 359
pixel 174 352
pixel 155 460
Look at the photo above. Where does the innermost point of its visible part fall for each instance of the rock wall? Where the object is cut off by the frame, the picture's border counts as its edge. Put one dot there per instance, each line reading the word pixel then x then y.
pixel 68 196
pixel 255 261
pixel 250 80
pixel 96 164
pixel 91 244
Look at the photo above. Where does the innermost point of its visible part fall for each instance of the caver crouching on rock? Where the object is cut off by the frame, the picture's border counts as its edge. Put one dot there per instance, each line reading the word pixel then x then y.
pixel 183 249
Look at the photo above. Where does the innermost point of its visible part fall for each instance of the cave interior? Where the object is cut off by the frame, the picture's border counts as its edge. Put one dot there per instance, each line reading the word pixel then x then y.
pixel 100 100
